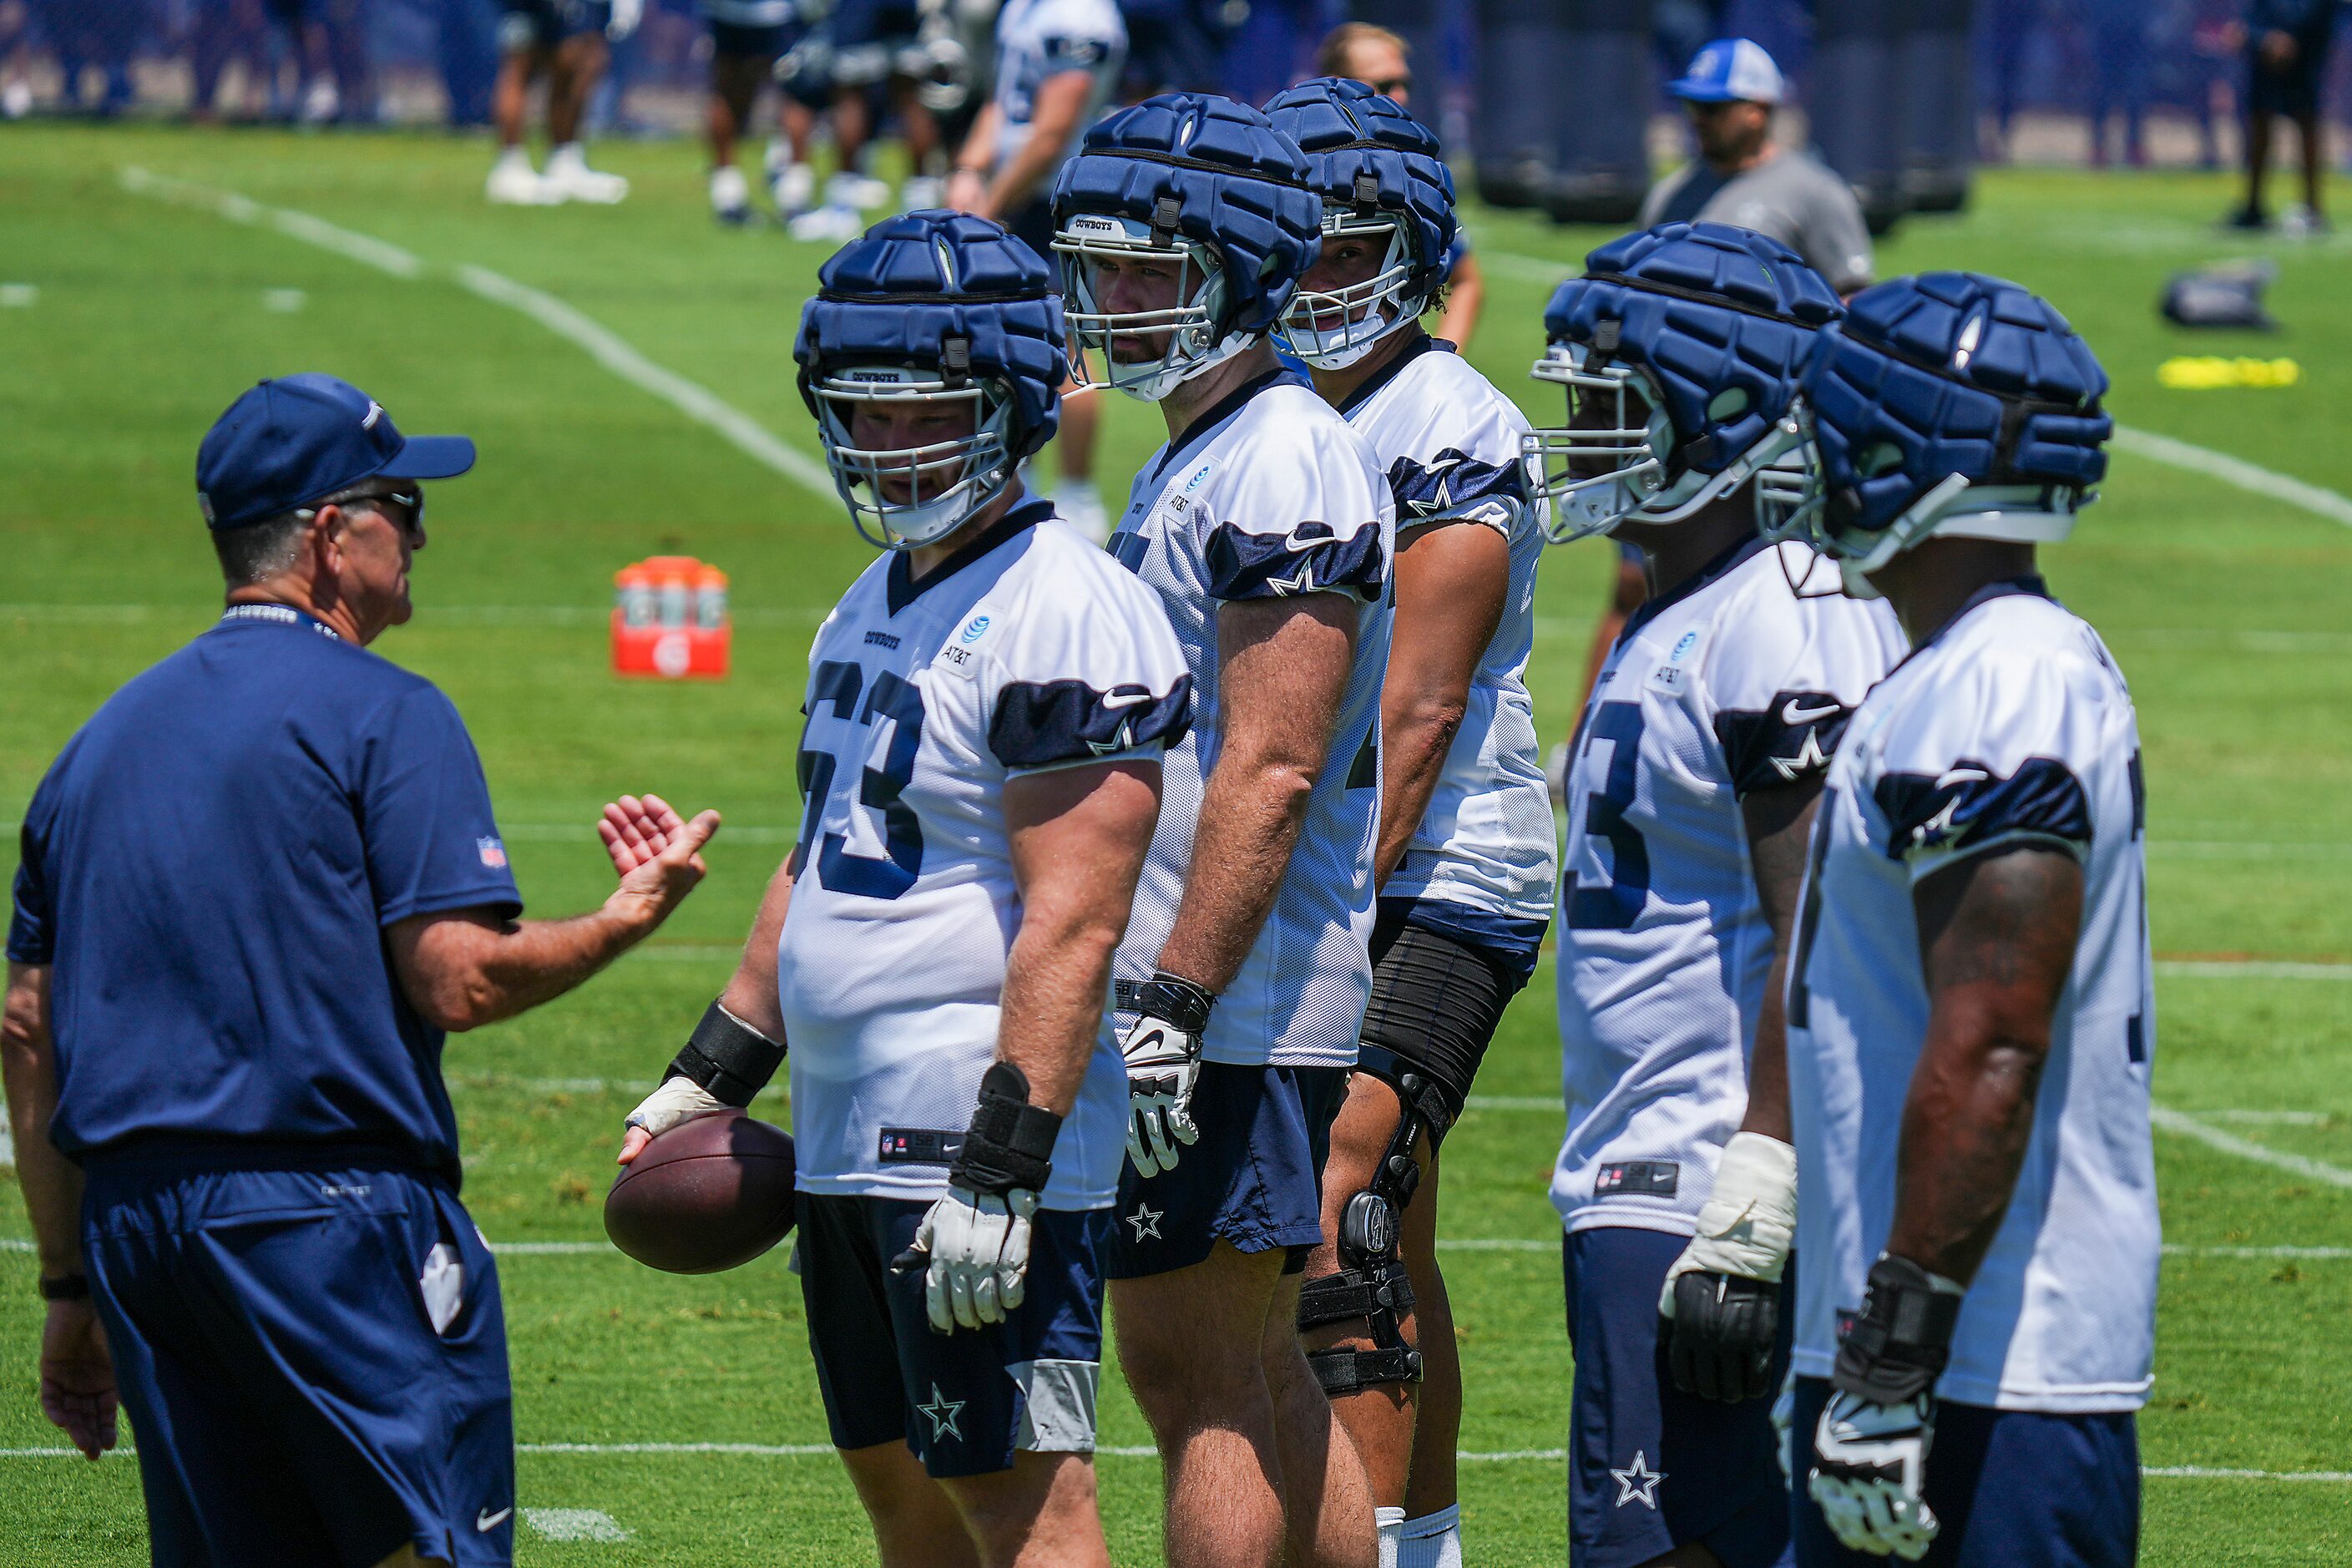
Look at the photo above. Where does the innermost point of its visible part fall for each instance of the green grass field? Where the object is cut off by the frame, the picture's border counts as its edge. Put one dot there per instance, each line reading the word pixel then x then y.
pixel 2230 611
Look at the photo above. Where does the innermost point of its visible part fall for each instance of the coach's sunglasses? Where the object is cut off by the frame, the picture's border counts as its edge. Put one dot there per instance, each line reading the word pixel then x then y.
pixel 409 518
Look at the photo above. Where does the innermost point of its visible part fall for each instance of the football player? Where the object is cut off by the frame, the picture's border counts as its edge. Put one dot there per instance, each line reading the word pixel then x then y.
pixel 908 48
pixel 1056 63
pixel 1693 779
pixel 1970 1009
pixel 1466 860
pixel 987 707
pixel 1183 226
pixel 564 41
pixel 749 41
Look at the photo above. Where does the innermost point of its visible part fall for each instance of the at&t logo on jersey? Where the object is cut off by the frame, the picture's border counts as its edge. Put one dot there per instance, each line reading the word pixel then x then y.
pixel 973 630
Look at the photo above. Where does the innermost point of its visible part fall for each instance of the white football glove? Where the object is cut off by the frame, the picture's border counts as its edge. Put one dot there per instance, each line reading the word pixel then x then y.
pixel 976 1249
pixel 1163 1063
pixel 627 14
pixel 678 1100
pixel 1870 1462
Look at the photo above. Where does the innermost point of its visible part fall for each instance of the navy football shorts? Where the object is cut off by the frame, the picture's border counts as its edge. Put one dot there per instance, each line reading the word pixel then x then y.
pixel 1254 1179
pixel 1649 1467
pixel 869 36
pixel 963 1402
pixel 544 23
pixel 314 1361
pixel 2058 1491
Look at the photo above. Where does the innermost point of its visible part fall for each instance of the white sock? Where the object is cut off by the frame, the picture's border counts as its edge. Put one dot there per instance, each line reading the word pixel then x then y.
pixel 1432 1541
pixel 1390 1524
pixel 568 156
pixel 516 157
pixel 728 188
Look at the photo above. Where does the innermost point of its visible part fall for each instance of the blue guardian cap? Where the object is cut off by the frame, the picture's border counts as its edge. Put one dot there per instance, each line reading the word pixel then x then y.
pixel 1197 186
pixel 1950 404
pixel 949 313
pixel 1681 350
pixel 1383 182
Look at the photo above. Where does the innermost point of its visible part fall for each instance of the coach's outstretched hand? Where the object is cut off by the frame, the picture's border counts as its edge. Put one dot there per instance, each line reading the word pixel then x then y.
pixel 78 1376
pixel 657 854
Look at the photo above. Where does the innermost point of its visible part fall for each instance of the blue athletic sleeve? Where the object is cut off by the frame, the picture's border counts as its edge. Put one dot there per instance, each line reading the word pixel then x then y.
pixel 31 939
pixel 432 843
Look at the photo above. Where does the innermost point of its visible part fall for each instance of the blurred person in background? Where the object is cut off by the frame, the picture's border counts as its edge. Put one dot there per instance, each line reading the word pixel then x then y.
pixel 1743 177
pixel 305 23
pixel 86 33
pixel 15 84
pixel 2119 75
pixel 2286 61
pixel 749 41
pixel 906 48
pixel 1174 46
pixel 566 42
pixel 1057 64
pixel 1380 61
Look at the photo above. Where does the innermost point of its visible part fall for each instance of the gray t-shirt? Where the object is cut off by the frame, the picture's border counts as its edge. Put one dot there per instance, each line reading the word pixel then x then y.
pixel 1789 196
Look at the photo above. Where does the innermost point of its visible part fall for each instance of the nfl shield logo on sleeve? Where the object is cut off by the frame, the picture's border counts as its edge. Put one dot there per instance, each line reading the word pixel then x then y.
pixel 493 853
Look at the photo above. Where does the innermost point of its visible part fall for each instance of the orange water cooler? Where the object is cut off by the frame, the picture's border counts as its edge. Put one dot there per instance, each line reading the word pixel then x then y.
pixel 669 620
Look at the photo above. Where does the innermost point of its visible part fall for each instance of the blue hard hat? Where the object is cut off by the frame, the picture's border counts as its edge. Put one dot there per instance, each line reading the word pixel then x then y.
pixel 297 439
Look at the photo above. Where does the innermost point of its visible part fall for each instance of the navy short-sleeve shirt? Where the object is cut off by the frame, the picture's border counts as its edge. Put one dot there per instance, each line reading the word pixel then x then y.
pixel 207 869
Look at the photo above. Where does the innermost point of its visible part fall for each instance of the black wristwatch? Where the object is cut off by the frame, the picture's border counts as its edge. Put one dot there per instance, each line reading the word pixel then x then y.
pixel 65 1287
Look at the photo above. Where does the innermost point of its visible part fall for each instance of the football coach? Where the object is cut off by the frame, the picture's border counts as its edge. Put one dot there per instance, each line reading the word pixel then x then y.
pixel 257 889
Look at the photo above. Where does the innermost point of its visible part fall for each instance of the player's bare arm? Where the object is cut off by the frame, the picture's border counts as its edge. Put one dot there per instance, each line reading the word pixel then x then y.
pixel 1779 824
pixel 968 181
pixel 749 1001
pixel 1723 1293
pixel 1060 103
pixel 1283 667
pixel 1997 937
pixel 1079 837
pixel 464 968
pixel 77 1376
pixel 1451 582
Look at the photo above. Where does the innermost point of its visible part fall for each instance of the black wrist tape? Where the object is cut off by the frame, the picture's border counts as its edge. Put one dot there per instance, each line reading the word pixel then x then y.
pixel 1010 1143
pixel 1896 1347
pixel 728 1058
pixel 1177 1000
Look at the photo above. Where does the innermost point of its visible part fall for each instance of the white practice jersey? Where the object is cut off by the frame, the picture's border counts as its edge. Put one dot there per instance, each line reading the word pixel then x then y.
pixel 1036 653
pixel 2012 725
pixel 1736 683
pixel 1269 494
pixel 1036 39
pixel 1482 864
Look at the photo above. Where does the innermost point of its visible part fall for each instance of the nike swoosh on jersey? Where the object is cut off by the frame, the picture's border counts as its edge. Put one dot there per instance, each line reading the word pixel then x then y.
pixel 1124 699
pixel 486 1521
pixel 1792 714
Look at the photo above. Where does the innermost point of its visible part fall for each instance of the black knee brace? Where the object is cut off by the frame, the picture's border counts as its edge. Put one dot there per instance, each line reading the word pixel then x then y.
pixel 1372 1283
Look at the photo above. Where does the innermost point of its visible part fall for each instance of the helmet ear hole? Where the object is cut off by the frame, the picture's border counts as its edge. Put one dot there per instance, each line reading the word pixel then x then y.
pixel 1728 405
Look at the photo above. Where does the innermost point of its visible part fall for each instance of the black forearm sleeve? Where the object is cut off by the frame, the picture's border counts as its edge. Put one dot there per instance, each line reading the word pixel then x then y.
pixel 728 1058
pixel 1896 1348
pixel 1010 1142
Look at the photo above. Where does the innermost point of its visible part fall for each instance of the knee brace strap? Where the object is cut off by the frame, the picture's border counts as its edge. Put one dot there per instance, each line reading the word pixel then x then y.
pixel 1375 1291
pixel 1344 1371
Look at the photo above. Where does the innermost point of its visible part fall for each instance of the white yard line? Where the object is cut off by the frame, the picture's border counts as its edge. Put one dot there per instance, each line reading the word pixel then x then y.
pixel 2251 969
pixel 1110 1451
pixel 2183 1124
pixel 604 345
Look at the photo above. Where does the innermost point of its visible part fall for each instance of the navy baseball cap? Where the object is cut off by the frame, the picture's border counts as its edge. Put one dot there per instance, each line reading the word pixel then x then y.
pixel 291 441
pixel 1731 70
